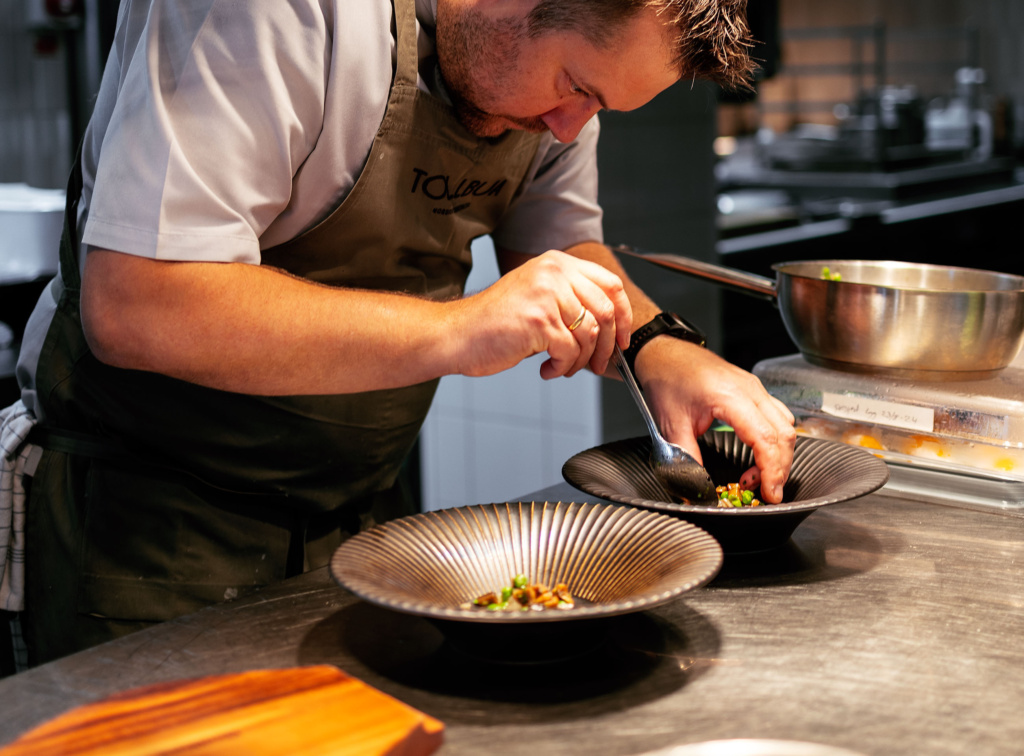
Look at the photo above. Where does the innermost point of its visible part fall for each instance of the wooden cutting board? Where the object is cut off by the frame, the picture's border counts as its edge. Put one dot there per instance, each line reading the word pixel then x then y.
pixel 297 711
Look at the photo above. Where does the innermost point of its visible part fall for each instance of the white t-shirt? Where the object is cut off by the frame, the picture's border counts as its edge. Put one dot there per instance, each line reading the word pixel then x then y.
pixel 223 128
pixel 236 127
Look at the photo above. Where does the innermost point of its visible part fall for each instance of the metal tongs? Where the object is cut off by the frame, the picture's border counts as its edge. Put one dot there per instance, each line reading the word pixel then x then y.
pixel 677 470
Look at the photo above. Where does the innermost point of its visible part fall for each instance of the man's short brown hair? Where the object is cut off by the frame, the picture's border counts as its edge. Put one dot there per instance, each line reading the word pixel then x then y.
pixel 712 39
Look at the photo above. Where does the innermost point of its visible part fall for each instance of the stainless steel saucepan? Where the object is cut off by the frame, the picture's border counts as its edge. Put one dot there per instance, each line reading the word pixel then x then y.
pixel 927 322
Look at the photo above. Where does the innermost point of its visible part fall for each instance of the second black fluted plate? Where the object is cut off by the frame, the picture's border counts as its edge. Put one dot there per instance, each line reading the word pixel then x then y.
pixel 824 472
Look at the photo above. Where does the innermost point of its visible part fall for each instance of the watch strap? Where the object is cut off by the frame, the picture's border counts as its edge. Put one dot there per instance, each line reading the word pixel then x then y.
pixel 667 323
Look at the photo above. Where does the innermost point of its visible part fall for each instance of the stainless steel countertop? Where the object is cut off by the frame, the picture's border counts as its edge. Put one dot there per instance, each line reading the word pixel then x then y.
pixel 885 627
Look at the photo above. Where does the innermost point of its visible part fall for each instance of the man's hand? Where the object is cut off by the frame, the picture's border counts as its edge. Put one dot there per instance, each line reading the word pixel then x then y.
pixel 686 386
pixel 534 308
pixel 689 387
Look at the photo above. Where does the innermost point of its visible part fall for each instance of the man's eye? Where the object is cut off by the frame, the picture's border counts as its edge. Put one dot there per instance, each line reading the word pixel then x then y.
pixel 575 88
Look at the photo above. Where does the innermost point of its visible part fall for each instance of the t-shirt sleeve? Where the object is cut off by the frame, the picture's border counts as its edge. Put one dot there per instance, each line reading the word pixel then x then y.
pixel 558 206
pixel 216 111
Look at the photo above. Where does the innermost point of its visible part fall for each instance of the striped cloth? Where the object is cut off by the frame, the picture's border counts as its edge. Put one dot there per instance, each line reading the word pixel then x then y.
pixel 17 459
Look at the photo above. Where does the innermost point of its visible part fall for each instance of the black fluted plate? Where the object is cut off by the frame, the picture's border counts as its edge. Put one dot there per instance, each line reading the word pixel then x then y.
pixel 824 472
pixel 617 559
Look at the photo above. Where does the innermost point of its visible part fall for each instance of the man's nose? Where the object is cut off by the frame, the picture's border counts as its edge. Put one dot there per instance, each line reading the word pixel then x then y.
pixel 567 120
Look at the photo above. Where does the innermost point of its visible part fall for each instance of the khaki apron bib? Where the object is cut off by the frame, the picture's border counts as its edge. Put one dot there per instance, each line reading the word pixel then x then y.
pixel 157 496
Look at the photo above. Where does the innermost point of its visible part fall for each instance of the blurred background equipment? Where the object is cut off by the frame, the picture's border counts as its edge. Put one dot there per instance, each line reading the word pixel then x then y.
pixel 885 131
pixel 52 54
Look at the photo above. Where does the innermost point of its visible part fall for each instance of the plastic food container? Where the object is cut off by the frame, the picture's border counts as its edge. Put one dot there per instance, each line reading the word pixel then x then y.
pixel 955 442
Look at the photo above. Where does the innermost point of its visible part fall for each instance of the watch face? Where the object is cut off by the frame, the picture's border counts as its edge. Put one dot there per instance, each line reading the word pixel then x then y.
pixel 696 335
pixel 675 320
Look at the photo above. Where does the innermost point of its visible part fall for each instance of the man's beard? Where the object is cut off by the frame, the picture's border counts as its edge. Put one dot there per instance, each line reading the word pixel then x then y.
pixel 484 124
pixel 466 43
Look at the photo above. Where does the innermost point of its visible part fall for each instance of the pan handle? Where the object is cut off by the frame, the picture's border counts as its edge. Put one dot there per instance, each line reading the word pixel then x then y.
pixel 730 278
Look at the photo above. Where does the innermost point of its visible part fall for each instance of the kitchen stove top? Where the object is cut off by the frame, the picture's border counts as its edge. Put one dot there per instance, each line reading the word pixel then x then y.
pixel 955 442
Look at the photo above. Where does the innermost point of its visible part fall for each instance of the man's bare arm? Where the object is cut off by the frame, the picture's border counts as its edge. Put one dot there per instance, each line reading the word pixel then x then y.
pixel 257 330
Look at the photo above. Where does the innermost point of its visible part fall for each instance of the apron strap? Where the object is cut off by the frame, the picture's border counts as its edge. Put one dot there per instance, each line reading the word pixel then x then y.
pixel 79 444
pixel 112 450
pixel 407 63
pixel 70 275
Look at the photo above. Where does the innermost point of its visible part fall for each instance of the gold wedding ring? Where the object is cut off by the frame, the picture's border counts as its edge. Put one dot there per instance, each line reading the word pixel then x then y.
pixel 579 319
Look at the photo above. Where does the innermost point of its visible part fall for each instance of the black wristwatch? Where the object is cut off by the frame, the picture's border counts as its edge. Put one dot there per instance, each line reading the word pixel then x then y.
pixel 663 323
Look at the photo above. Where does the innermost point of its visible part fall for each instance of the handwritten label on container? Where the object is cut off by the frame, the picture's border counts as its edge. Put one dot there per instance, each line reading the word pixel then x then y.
pixel 878 412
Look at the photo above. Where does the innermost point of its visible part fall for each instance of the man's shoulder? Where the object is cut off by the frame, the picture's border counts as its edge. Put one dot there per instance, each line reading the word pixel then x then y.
pixel 357 23
pixel 355 13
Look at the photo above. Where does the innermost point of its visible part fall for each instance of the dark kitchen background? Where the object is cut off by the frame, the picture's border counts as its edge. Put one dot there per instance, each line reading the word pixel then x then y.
pixel 877 129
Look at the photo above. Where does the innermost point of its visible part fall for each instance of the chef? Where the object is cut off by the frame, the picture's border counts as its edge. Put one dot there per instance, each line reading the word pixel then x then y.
pixel 266 241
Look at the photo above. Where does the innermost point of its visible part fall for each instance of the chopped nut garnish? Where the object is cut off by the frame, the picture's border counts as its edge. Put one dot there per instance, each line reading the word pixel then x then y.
pixel 522 595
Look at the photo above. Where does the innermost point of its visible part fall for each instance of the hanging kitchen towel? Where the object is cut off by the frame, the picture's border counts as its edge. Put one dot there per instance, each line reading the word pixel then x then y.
pixel 17 459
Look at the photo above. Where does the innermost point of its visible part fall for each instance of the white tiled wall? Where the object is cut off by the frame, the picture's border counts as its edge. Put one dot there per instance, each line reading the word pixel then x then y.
pixel 497 438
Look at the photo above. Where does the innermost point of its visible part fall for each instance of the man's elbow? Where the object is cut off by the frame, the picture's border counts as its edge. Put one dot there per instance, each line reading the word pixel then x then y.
pixel 108 337
pixel 109 323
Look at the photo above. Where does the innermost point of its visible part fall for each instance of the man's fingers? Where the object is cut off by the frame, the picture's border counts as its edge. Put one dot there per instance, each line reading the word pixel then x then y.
pixel 603 293
pixel 592 307
pixel 578 321
pixel 750 480
pixel 773 454
pixel 596 335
